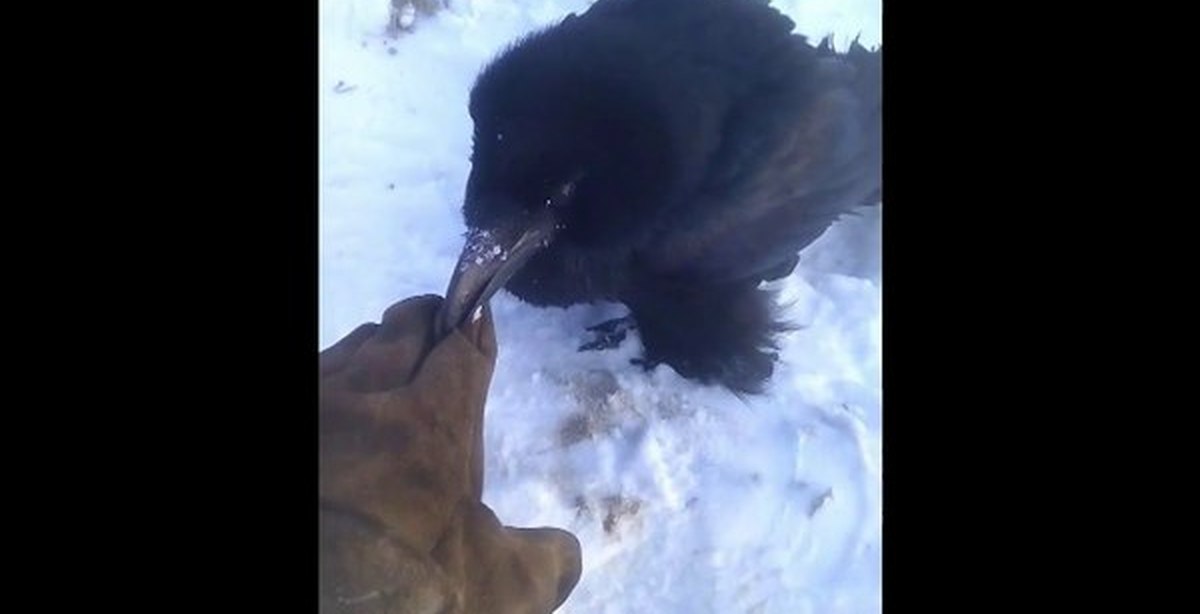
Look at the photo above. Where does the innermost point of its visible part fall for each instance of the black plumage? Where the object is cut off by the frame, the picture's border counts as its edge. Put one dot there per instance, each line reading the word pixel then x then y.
pixel 670 155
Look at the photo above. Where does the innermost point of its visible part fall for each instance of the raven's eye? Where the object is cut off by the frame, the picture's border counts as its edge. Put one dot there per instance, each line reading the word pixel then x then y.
pixel 561 195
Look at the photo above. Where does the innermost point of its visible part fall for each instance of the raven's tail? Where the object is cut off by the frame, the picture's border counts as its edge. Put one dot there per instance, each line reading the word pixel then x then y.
pixel 868 84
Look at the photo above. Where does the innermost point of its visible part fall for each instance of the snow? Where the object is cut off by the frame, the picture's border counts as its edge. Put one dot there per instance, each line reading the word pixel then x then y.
pixel 685 498
pixel 483 248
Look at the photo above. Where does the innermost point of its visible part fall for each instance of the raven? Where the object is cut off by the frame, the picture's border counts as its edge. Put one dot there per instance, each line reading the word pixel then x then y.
pixel 670 155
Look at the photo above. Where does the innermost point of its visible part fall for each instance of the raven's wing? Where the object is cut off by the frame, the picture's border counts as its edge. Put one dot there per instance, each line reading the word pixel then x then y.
pixel 796 153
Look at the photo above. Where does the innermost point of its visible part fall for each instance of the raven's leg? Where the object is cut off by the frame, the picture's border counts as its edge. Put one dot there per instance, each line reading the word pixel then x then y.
pixel 723 334
pixel 609 333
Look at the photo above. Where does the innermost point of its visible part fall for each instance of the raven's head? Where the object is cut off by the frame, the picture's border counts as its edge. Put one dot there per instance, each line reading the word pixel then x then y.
pixel 570 146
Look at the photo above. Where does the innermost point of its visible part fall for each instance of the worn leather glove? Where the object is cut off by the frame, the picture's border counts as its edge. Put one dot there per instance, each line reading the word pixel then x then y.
pixel 402 527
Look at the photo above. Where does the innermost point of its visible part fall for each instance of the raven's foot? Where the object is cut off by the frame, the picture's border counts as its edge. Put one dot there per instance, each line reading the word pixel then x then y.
pixel 608 334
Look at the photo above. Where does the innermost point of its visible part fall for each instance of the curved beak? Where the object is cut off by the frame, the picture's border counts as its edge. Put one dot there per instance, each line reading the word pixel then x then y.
pixel 488 260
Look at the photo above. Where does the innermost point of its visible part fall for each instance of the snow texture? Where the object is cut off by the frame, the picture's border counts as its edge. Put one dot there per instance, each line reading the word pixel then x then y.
pixel 685 498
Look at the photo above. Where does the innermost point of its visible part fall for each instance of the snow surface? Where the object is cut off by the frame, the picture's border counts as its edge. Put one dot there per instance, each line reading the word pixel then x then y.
pixel 684 497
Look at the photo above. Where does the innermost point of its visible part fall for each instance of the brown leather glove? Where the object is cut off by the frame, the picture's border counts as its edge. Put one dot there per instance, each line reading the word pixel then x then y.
pixel 402 528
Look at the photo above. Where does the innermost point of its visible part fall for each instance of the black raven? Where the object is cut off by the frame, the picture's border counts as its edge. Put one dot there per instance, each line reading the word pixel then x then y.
pixel 670 155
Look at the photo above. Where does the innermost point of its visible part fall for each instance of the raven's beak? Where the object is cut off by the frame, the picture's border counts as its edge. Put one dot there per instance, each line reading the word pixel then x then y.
pixel 488 260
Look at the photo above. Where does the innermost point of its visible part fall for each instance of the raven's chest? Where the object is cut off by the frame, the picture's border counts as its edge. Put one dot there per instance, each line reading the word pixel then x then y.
pixel 563 275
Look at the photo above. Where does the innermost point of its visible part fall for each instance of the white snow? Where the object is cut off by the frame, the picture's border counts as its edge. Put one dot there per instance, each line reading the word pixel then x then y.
pixel 685 498
pixel 482 246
